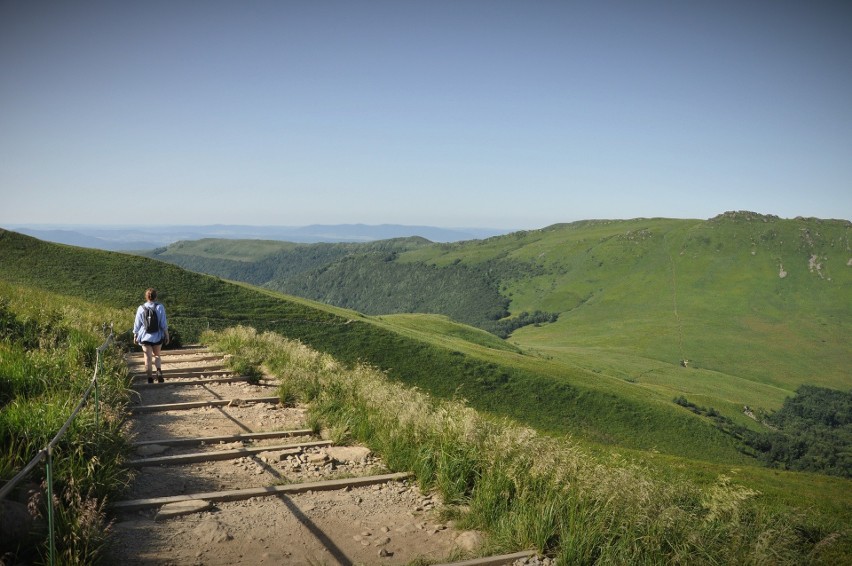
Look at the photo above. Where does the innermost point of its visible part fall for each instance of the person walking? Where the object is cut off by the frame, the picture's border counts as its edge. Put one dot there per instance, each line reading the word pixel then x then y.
pixel 151 331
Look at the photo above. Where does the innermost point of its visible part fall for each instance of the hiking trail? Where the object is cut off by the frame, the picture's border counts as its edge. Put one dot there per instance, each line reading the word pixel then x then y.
pixel 227 475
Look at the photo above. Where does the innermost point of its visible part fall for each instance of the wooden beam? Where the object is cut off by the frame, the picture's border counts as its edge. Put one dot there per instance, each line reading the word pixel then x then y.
pixel 225 438
pixel 493 560
pixel 196 404
pixel 186 381
pixel 268 491
pixel 188 371
pixel 217 455
pixel 175 352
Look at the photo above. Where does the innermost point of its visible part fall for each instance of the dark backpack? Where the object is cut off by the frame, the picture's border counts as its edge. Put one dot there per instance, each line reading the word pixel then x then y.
pixel 150 320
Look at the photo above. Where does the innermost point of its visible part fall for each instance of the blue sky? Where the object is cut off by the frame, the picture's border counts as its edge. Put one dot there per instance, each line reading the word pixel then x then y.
pixel 464 113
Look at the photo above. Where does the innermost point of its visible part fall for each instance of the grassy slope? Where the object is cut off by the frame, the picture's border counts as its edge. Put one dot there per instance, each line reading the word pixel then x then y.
pixel 432 352
pixel 543 393
pixel 638 296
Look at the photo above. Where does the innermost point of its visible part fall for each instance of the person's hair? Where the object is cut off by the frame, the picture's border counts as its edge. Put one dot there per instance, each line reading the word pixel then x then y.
pixel 151 294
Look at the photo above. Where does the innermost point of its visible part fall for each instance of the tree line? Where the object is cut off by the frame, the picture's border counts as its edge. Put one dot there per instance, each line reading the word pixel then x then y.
pixel 811 432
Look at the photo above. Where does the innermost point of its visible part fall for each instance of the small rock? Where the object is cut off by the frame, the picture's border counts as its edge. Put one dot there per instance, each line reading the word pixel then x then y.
pixel 384 553
pixel 182 508
pixel 151 449
pixel 470 541
pixel 348 454
pixel 318 458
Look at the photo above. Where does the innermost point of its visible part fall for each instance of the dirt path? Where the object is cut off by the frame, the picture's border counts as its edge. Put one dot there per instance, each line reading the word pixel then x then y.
pixel 390 522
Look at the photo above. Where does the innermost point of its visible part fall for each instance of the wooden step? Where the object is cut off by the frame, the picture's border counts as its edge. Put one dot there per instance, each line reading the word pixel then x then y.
pixel 217 455
pixel 493 560
pixel 195 358
pixel 187 381
pixel 196 404
pixel 195 375
pixel 269 491
pixel 137 353
pixel 225 438
pixel 140 361
pixel 200 370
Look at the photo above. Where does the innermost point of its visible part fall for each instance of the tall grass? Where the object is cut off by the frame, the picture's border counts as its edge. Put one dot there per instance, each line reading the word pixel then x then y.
pixel 532 491
pixel 47 359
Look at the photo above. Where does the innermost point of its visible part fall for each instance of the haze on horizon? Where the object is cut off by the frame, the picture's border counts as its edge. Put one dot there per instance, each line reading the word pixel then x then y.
pixel 452 114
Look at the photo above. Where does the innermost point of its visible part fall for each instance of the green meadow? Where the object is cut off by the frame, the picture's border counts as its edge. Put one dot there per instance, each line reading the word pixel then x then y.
pixel 755 306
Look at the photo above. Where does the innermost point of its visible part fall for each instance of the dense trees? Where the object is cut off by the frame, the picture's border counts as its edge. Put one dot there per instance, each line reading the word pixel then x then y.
pixel 376 284
pixel 368 278
pixel 812 432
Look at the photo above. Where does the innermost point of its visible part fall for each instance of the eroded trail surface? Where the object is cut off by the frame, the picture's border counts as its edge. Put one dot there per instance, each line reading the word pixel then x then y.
pixel 210 490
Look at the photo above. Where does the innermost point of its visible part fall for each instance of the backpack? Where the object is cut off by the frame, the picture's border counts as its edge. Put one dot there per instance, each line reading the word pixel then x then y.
pixel 150 320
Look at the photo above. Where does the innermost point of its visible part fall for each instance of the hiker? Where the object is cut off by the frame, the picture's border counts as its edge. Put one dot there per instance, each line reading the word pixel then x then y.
pixel 151 331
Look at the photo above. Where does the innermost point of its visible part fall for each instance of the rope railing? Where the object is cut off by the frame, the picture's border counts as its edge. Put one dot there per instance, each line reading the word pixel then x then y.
pixel 46 453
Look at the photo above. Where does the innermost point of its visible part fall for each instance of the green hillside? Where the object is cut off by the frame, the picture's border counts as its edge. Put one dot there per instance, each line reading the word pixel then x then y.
pixel 742 295
pixel 545 393
pixel 615 403
pixel 739 311
pixel 754 305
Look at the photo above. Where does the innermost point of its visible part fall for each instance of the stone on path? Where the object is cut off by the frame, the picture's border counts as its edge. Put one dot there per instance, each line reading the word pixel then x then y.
pixel 211 531
pixel 348 454
pixel 182 508
pixel 470 541
pixel 151 449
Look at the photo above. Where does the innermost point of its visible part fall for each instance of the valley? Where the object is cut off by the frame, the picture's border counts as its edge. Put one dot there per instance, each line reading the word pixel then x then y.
pixel 632 300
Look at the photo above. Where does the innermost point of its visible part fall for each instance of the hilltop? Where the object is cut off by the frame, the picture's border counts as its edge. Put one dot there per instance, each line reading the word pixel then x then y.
pixel 133 237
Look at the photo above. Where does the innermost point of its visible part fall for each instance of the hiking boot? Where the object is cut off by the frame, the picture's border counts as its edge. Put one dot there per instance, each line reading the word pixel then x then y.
pixel 160 376
pixel 150 379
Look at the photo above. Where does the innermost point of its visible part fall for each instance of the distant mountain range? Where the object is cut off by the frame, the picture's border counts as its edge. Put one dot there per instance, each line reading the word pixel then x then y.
pixel 127 238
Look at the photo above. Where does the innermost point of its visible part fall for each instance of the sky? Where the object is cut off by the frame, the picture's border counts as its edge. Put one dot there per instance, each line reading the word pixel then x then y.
pixel 444 113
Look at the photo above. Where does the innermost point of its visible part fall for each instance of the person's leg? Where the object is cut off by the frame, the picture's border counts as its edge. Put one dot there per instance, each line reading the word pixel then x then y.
pixel 157 361
pixel 148 350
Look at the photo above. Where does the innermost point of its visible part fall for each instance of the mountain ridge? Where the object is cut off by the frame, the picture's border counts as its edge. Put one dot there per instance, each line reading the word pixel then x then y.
pixel 136 238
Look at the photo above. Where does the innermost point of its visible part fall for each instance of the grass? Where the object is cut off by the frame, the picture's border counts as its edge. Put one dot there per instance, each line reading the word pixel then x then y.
pixel 551 396
pixel 635 298
pixel 47 347
pixel 614 398
pixel 607 397
pixel 552 494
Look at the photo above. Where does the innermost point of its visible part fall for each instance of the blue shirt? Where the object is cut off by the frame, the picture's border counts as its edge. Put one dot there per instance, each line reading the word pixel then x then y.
pixel 139 324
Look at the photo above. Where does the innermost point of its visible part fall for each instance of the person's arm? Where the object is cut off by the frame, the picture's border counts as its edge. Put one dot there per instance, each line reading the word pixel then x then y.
pixel 137 324
pixel 165 324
